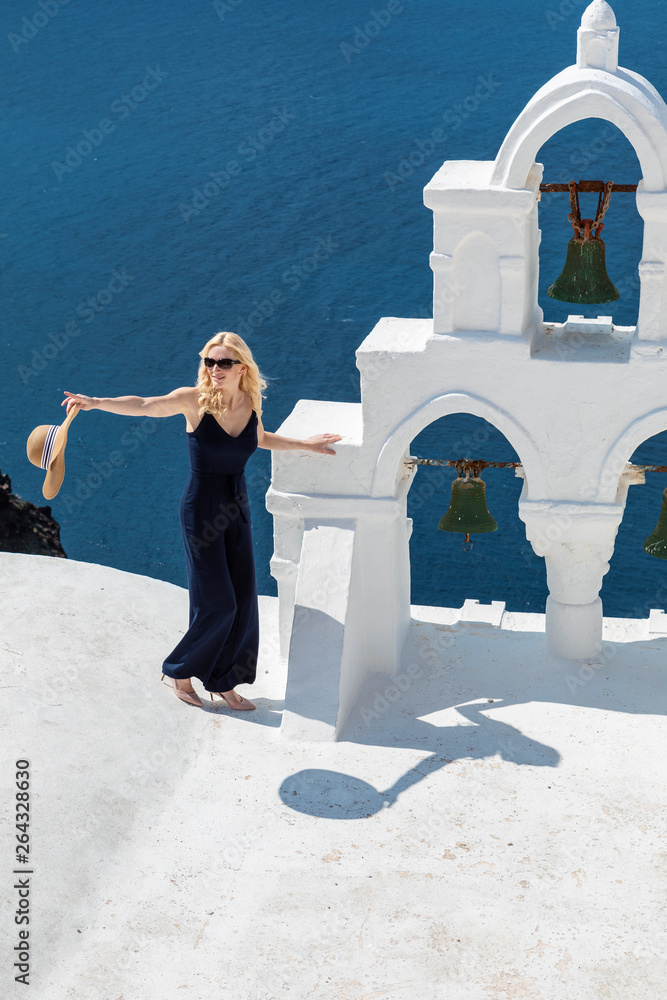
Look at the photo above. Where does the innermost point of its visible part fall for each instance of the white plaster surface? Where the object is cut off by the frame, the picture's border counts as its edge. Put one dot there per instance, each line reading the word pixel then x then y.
pixel 598 15
pixel 449 847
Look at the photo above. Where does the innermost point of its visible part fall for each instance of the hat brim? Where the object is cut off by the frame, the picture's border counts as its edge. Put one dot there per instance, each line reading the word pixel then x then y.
pixel 56 470
pixel 54 477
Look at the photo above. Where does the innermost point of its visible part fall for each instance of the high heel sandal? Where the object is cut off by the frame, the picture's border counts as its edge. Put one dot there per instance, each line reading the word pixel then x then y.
pixel 244 706
pixel 189 697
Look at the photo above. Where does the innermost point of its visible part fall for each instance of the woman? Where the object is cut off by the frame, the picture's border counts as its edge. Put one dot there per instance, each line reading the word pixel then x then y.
pixel 224 426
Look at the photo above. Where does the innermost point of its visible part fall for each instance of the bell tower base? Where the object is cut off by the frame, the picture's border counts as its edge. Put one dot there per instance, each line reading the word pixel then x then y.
pixel 574 630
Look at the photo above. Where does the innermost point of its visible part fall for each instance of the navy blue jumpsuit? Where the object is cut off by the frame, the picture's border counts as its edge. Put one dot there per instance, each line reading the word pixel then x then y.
pixel 221 644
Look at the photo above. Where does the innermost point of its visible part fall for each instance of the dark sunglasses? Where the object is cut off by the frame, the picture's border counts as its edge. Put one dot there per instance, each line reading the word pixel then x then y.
pixel 224 363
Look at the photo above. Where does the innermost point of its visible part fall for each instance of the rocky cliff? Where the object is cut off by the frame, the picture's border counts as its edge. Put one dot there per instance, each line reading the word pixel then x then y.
pixel 26 528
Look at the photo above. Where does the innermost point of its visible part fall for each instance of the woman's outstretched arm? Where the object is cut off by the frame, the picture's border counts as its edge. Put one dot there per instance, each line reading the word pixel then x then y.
pixel 276 442
pixel 183 400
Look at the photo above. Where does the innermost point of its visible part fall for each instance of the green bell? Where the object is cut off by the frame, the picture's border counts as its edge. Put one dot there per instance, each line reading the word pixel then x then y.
pixel 467 511
pixel 656 543
pixel 584 278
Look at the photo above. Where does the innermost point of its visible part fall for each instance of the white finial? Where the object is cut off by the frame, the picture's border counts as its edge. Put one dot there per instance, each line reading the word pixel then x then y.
pixel 597 38
pixel 599 16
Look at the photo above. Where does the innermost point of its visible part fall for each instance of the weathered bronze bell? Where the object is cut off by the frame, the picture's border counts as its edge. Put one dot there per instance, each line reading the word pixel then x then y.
pixel 584 277
pixel 656 543
pixel 467 511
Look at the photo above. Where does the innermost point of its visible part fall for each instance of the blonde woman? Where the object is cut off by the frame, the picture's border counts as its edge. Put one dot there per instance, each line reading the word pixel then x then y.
pixel 224 426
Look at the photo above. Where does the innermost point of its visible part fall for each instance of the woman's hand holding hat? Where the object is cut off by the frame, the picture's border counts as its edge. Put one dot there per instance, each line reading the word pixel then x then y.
pixel 76 399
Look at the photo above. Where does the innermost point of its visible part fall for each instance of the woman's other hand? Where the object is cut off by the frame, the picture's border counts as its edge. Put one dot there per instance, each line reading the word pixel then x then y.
pixel 321 442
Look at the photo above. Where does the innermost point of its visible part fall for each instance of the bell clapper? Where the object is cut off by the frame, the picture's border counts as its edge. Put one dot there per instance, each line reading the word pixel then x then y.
pixel 467 539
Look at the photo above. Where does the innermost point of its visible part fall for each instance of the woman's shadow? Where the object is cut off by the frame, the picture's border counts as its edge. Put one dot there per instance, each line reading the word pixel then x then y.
pixel 334 795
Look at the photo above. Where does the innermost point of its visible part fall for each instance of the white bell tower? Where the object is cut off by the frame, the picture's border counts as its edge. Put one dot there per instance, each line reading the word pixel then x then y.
pixel 574 399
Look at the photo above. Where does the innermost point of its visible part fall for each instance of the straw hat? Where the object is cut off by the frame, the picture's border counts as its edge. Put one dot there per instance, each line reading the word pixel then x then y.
pixel 46 450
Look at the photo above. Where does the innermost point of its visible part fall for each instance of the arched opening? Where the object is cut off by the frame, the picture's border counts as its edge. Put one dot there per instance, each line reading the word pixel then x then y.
pixel 637 581
pixel 593 149
pixel 502 565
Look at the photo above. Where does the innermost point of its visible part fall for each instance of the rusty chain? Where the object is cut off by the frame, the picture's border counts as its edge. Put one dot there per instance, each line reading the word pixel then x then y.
pixel 574 218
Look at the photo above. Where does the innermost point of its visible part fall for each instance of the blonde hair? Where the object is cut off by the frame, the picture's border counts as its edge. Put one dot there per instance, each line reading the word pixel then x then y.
pixel 209 399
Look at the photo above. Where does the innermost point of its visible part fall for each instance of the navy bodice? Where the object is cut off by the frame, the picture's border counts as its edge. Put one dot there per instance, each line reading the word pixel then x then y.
pixel 214 452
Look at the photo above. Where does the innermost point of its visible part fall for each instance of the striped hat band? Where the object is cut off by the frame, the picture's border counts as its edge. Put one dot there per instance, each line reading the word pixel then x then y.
pixel 48 445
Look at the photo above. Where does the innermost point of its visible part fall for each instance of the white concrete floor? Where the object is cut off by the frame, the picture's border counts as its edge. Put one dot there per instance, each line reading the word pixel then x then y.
pixel 491 827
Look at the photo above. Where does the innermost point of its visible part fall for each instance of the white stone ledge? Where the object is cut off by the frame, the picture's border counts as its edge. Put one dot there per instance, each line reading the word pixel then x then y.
pixel 337 506
pixel 393 335
pixel 571 510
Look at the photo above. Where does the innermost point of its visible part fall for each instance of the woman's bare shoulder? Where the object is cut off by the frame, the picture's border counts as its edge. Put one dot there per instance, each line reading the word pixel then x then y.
pixel 186 394
pixel 185 397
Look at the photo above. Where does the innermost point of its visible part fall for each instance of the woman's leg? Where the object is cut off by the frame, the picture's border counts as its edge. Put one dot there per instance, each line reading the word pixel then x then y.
pixel 205 522
pixel 237 661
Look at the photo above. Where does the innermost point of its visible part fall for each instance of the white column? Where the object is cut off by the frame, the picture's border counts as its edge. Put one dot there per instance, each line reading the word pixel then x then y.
pixel 287 537
pixel 318 643
pixel 577 542
pixel 344 600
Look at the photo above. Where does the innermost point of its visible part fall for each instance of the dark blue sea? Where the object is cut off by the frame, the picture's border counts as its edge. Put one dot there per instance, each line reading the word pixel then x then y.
pixel 168 166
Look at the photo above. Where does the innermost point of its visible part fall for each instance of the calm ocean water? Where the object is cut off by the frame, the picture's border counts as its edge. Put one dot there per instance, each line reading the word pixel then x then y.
pixel 169 166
